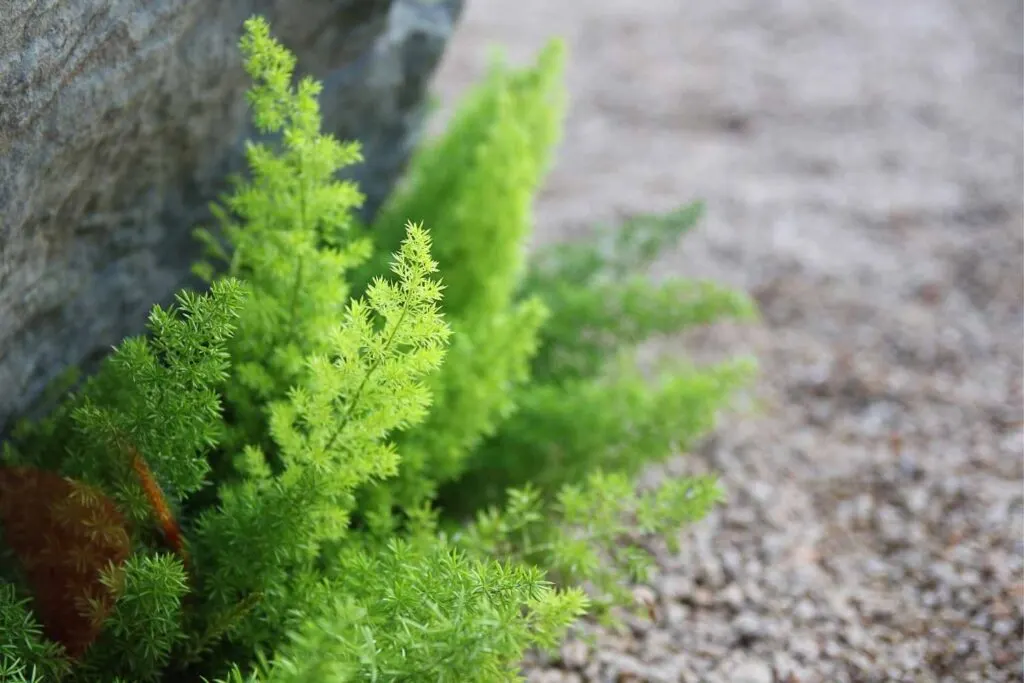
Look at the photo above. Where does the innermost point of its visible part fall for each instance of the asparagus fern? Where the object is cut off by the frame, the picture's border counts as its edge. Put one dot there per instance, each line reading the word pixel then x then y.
pixel 274 484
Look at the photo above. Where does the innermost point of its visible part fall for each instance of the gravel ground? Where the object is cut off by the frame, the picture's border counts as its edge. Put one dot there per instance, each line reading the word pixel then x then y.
pixel 862 164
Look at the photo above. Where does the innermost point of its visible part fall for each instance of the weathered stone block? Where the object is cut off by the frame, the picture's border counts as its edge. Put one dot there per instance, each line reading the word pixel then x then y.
pixel 120 121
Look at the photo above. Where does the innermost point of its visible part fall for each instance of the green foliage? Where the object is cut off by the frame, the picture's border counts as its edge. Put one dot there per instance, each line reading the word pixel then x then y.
pixel 150 392
pixel 334 467
pixel 475 187
pixel 159 395
pixel 601 301
pixel 588 405
pixel 603 527
pixel 145 626
pixel 421 610
pixel 330 436
pixel 286 230
pixel 26 656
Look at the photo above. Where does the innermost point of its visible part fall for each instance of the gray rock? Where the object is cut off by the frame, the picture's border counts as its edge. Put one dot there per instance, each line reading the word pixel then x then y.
pixel 732 596
pixel 574 654
pixel 659 644
pixel 547 676
pixel 748 626
pixel 675 586
pixel 121 120
pixel 676 615
pixel 751 671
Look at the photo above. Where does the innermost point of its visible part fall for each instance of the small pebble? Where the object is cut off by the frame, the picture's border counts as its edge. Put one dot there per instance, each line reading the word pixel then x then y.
pixel 574 654
pixel 732 596
pixel 751 671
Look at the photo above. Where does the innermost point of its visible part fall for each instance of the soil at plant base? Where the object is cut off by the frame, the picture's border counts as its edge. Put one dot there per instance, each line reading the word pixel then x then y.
pixel 862 165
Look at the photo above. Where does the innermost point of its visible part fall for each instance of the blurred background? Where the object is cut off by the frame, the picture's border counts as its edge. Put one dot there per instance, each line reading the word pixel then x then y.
pixel 861 161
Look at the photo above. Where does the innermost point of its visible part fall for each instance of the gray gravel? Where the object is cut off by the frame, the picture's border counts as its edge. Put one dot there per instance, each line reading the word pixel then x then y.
pixel 862 162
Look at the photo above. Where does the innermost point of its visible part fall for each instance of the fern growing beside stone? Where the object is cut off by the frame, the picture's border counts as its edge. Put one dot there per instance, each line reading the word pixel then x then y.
pixel 363 454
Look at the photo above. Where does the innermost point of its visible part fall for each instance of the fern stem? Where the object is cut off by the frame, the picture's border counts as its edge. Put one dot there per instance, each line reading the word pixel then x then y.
pixel 294 304
pixel 295 299
pixel 366 379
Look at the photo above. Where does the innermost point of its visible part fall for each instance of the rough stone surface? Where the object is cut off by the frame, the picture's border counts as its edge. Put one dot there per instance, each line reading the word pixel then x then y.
pixel 119 122
pixel 862 165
